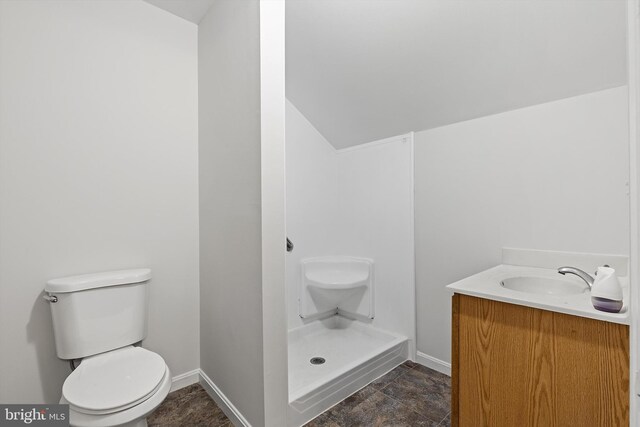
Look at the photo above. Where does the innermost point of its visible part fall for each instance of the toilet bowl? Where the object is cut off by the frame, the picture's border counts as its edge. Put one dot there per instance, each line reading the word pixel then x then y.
pixel 98 318
pixel 119 387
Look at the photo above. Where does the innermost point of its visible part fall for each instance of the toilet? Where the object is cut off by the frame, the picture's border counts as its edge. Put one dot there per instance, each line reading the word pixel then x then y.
pixel 99 318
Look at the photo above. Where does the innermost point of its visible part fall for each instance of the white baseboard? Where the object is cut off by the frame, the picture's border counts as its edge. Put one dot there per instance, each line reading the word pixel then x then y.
pixel 184 380
pixel 433 363
pixel 222 401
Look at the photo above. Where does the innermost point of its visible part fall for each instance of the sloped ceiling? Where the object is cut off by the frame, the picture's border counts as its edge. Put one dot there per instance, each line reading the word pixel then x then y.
pixel 191 10
pixel 362 70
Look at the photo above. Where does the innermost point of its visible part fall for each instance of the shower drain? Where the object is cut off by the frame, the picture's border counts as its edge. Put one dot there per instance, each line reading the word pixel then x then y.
pixel 317 360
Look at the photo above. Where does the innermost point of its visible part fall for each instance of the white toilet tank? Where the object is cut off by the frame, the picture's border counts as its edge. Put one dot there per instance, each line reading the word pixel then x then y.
pixel 94 313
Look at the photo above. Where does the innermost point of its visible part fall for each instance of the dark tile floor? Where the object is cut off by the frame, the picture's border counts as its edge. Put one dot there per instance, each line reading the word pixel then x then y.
pixel 190 406
pixel 410 395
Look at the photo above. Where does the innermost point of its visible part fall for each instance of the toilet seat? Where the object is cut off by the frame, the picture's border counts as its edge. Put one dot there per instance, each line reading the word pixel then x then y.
pixel 132 417
pixel 114 381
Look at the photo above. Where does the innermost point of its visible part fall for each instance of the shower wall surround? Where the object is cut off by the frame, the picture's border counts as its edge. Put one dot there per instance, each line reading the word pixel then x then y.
pixel 354 202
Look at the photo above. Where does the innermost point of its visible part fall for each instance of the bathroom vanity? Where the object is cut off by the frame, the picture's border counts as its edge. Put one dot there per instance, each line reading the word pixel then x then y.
pixel 521 358
pixel 521 366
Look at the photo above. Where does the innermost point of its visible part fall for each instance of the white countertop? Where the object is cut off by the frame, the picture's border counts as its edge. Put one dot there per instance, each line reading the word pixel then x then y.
pixel 487 285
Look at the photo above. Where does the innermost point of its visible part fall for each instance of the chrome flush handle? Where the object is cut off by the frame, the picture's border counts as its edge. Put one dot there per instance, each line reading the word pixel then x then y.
pixel 50 298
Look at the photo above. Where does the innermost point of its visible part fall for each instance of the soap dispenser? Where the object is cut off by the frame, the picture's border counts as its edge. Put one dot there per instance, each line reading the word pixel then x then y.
pixel 606 292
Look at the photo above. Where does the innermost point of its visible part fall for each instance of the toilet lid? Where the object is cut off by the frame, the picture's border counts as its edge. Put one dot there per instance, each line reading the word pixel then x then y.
pixel 117 379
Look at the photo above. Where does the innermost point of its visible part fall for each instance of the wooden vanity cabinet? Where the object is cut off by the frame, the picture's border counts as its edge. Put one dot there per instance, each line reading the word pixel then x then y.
pixel 517 366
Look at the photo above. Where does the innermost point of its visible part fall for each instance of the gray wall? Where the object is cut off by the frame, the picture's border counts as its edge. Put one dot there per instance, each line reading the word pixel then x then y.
pixel 230 206
pixel 552 176
pixel 98 171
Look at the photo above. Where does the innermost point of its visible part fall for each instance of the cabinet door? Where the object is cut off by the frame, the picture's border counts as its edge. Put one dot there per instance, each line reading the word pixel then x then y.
pixel 519 366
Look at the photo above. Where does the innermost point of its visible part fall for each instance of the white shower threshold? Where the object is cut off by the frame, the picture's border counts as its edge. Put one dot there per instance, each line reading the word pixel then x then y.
pixel 355 354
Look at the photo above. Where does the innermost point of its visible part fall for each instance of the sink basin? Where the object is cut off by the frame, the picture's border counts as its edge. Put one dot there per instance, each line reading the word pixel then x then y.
pixel 543 285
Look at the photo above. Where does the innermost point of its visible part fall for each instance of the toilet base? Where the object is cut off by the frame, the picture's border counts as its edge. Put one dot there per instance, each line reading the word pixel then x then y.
pixel 136 423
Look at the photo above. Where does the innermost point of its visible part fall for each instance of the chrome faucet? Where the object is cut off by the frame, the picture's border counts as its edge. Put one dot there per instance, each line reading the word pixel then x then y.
pixel 581 274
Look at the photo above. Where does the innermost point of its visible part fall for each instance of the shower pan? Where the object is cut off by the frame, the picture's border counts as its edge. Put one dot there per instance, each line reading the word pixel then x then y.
pixel 338 351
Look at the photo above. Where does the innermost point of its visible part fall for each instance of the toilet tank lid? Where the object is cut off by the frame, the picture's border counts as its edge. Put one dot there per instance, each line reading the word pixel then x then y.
pixel 97 280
